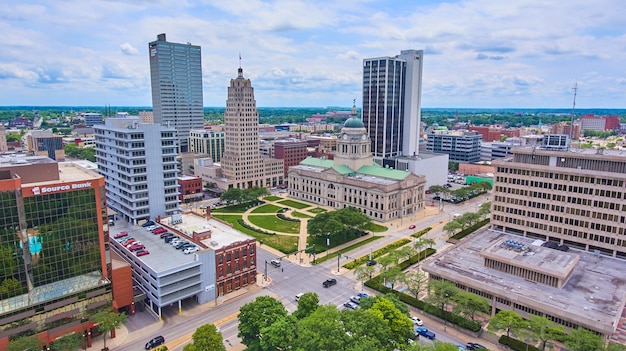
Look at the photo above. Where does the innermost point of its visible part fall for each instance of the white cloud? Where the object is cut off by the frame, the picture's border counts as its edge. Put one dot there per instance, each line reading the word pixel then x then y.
pixel 128 49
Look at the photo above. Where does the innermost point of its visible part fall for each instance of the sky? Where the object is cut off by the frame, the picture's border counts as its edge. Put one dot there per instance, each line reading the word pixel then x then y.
pixel 301 53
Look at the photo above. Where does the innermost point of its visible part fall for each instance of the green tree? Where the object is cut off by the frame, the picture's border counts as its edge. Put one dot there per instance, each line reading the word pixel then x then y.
pixel 367 303
pixel 11 287
pixel 68 342
pixel 415 282
pixel 364 273
pixel 386 262
pixel 280 335
pixel 616 347
pixel 505 320
pixel 400 327
pixel 453 166
pixel 422 242
pixel 451 227
pixel 436 189
pixel 405 252
pixel 307 304
pixel 324 224
pixel 581 339
pixel 255 315
pixel 440 292
pixel 365 331
pixel 468 304
pixel 484 209
pixel 232 195
pixel 322 330
pixel 24 343
pixel 8 264
pixel 207 337
pixel 545 330
pixel 107 321
pixel 471 218
pixel 392 276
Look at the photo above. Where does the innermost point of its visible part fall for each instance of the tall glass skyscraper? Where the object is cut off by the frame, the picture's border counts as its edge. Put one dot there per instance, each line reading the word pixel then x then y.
pixel 176 75
pixel 392 91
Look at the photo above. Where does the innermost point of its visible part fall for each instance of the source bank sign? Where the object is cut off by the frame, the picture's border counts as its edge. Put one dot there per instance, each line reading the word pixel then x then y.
pixel 59 188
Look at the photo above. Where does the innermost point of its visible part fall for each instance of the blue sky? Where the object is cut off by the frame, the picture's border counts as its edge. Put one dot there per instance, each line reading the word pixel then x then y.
pixel 478 53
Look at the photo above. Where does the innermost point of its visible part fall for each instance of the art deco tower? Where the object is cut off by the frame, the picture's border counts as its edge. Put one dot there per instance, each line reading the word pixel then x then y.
pixel 242 163
pixel 176 75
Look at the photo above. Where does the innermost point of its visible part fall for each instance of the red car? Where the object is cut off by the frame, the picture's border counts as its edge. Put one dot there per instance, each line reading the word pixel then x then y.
pixel 159 230
pixel 142 252
pixel 128 242
pixel 412 226
pixel 135 247
pixel 120 235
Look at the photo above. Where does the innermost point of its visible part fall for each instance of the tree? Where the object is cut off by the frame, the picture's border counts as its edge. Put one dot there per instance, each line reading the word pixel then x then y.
pixel 367 303
pixel 207 337
pixel 415 282
pixel 364 273
pixel 307 304
pixel 400 327
pixel 484 209
pixel 366 331
pixel 405 252
pixel 209 185
pixel 505 320
pixel 451 227
pixel 453 166
pixel 24 343
pixel 581 339
pixel 616 347
pixel 8 264
pixel 255 315
pixel 392 276
pixel 11 287
pixel 470 217
pixel 545 330
pixel 322 330
pixel 440 292
pixel 232 195
pixel 69 342
pixel 468 304
pixel 324 224
pixel 436 189
pixel 420 243
pixel 280 335
pixel 107 321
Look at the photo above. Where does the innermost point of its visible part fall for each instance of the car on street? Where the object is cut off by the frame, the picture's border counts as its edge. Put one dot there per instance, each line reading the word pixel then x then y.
pixel 417 321
pixel 142 252
pixel 355 299
pixel 120 235
pixel 371 263
pixel 329 282
pixel 425 333
pixel 155 342
pixel 412 226
pixel 298 296
pixel 472 346
pixel 275 263
pixel 351 305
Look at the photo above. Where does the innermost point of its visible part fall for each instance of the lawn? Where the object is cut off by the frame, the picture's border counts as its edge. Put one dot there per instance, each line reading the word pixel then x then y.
pixel 239 208
pixel 295 204
pixel 267 209
pixel 376 228
pixel 299 214
pixel 273 223
pixel 318 210
pixel 272 198
pixel 283 243
pixel 325 257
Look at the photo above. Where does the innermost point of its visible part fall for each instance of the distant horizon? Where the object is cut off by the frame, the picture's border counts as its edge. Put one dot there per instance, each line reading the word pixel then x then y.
pixel 318 107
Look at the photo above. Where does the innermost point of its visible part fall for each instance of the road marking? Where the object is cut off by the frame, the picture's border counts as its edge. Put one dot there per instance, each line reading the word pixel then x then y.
pixel 186 338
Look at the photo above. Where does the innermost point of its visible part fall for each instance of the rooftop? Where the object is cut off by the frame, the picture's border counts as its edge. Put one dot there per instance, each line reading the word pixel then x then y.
pixel 593 296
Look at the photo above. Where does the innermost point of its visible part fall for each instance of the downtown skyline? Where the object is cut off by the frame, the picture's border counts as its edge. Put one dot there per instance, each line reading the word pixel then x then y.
pixel 522 54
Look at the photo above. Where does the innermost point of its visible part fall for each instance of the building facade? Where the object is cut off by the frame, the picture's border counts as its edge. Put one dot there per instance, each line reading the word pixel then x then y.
pixel 44 143
pixel 461 147
pixel 352 178
pixel 575 198
pixel 139 164
pixel 54 225
pixel 392 91
pixel 176 76
pixel 190 189
pixel 242 165
pixel 291 151
pixel 207 142
pixel 92 118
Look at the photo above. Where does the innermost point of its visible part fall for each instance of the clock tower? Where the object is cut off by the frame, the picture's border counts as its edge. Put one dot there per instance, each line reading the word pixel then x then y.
pixel 353 144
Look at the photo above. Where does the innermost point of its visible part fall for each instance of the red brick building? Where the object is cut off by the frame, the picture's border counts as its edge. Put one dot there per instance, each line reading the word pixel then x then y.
pixel 190 188
pixel 292 151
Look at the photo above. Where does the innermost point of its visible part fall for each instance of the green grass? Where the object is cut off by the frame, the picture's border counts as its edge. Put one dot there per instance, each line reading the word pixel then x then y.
pixel 318 210
pixel 272 198
pixel 239 208
pixel 267 209
pixel 274 223
pixel 332 255
pixel 295 204
pixel 299 215
pixel 283 243
pixel 377 228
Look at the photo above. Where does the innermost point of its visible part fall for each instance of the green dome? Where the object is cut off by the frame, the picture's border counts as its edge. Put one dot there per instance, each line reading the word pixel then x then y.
pixel 353 122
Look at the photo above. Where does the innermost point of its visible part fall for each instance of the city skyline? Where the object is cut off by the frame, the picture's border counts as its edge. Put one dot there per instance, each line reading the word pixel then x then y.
pixel 522 54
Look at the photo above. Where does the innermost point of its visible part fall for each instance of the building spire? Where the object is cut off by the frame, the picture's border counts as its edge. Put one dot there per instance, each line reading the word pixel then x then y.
pixel 354 108
pixel 240 70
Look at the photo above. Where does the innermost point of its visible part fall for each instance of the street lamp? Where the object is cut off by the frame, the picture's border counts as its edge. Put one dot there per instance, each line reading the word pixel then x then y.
pixel 445 318
pixel 527 339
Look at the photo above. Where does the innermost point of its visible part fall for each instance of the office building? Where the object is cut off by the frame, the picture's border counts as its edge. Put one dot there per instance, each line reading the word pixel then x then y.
pixel 242 165
pixel 574 198
pixel 392 90
pixel 292 151
pixel 352 178
pixel 208 142
pixel 3 139
pixel 138 162
pixel 44 143
pixel 92 118
pixel 462 147
pixel 54 225
pixel 176 76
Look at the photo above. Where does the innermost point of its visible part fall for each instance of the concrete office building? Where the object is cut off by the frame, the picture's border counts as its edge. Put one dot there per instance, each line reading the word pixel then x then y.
pixel 242 165
pixel 139 164
pixel 575 198
pixel 92 118
pixel 3 139
pixel 226 261
pixel 392 92
pixel 207 142
pixel 352 178
pixel 45 143
pixel 54 226
pixel 573 288
pixel 176 76
pixel 462 147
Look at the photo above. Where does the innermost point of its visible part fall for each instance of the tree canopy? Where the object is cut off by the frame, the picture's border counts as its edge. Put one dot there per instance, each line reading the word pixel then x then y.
pixel 253 316
pixel 338 222
pixel 108 320
pixel 207 337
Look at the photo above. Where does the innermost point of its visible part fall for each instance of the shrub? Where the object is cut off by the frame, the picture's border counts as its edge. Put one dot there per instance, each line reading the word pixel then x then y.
pixel 285 218
pixel 421 232
pixel 516 345
pixel 247 226
pixel 465 232
pixel 359 261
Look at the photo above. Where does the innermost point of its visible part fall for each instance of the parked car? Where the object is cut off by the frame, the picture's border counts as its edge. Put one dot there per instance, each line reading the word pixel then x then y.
pixel 275 262
pixel 124 239
pixel 412 226
pixel 176 241
pixel 142 252
pixel 329 282
pixel 298 296
pixel 417 321
pixel 159 230
pixel 128 242
pixel 169 239
pixel 148 223
pixel 362 295
pixel 120 235
pixel 351 305
pixel 180 245
pixel 425 333
pixel 155 342
pixel 472 346
pixel 135 247
pixel 191 250
pixel 355 299
pixel 152 227
pixel 166 234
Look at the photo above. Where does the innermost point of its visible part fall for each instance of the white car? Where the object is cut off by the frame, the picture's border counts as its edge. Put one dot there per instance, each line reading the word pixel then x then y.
pixel 191 250
pixel 152 227
pixel 175 242
pixel 416 321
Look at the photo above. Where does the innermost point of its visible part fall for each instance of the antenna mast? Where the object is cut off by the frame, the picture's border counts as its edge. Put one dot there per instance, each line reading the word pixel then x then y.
pixel 571 126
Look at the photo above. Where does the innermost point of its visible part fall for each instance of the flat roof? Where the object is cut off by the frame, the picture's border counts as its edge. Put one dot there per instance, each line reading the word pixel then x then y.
pixel 221 234
pixel 593 296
